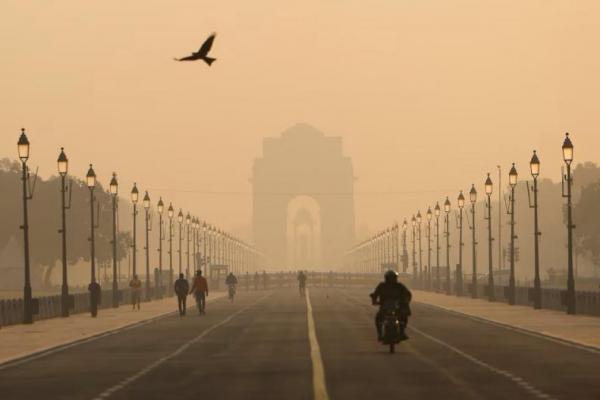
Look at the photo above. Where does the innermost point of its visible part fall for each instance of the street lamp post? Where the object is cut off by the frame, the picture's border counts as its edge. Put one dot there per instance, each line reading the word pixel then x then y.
pixel 160 208
pixel 63 168
pixel 221 237
pixel 373 254
pixel 429 216
pixel 404 249
pixel 170 213
pixel 204 259
pixel 473 200
pixel 94 287
pixel 419 220
pixel 567 150
pixel 180 221
pixel 114 192
pixel 23 149
pixel 134 199
pixel 188 221
pixel 437 211
pixel 195 244
pixel 211 251
pixel 447 212
pixel 459 268
pixel 146 203
pixel 534 166
pixel 488 191
pixel 414 261
pixel 396 249
pixel 379 250
pixel 512 181
pixel 385 245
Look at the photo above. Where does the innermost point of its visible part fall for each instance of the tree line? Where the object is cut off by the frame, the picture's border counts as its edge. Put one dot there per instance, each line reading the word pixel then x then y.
pixel 45 214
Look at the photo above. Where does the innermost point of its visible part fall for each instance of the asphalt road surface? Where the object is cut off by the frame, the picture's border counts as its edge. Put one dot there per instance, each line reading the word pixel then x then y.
pixel 264 346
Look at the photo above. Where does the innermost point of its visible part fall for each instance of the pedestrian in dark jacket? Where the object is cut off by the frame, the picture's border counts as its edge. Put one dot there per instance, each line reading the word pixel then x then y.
pixel 182 288
pixel 95 297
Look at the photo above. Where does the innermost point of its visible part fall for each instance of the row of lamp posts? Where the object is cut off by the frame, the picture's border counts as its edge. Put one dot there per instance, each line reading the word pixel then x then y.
pixel 422 276
pixel 215 240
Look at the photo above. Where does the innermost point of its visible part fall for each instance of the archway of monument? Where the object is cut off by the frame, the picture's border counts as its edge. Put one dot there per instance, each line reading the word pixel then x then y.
pixel 303 233
pixel 303 199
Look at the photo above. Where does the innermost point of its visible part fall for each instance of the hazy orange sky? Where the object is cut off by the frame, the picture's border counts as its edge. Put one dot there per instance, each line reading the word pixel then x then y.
pixel 428 95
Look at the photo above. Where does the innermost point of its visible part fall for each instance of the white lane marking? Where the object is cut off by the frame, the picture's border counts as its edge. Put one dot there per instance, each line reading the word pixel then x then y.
pixel 93 337
pixel 319 385
pixel 108 392
pixel 524 331
pixel 528 387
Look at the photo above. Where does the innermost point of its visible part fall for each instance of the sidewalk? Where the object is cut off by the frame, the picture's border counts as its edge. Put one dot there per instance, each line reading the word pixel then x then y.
pixel 18 341
pixel 578 329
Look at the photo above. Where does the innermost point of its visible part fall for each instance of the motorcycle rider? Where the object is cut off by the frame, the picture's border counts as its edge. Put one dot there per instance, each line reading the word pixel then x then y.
pixel 231 282
pixel 392 290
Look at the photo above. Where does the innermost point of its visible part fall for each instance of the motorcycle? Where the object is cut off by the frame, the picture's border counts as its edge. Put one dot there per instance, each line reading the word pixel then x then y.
pixel 231 292
pixel 393 324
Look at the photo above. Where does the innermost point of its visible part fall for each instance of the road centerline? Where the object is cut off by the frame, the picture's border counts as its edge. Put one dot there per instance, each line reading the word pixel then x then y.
pixel 319 385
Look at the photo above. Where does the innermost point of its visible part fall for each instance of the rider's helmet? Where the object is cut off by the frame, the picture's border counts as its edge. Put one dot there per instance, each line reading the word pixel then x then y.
pixel 391 276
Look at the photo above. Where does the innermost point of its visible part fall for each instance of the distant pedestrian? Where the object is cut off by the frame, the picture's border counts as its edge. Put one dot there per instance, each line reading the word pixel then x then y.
pixel 136 291
pixel 200 291
pixel 182 287
pixel 95 297
pixel 302 283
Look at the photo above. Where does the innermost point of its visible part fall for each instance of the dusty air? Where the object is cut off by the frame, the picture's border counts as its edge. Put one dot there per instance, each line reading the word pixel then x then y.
pixel 299 200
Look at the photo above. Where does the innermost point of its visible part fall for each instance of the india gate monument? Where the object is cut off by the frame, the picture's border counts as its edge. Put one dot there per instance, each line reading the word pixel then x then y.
pixel 303 199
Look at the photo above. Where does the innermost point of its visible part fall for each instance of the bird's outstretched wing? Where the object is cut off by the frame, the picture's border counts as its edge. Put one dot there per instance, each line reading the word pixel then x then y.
pixel 188 58
pixel 207 45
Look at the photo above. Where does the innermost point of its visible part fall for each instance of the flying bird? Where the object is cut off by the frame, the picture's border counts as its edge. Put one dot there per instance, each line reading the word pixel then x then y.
pixel 202 54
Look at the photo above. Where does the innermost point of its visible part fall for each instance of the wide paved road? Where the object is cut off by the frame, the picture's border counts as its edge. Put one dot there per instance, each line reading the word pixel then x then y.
pixel 260 347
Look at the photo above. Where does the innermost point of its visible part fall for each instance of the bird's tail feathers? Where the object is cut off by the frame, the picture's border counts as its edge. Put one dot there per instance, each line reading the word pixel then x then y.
pixel 209 60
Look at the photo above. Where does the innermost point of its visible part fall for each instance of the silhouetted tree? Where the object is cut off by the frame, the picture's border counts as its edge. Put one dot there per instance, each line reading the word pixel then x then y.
pixel 586 214
pixel 45 220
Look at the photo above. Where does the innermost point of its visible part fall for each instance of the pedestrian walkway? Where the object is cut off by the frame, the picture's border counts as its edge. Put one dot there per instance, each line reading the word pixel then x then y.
pixel 580 329
pixel 18 341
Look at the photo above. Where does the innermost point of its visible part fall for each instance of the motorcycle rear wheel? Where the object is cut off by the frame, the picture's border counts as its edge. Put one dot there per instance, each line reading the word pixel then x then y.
pixel 392 348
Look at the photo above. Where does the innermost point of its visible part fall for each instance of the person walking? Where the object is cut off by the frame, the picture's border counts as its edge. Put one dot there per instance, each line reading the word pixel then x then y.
pixel 302 283
pixel 182 287
pixel 200 291
pixel 136 291
pixel 95 297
